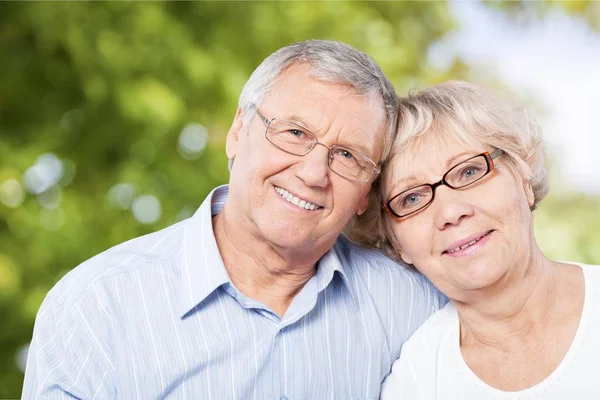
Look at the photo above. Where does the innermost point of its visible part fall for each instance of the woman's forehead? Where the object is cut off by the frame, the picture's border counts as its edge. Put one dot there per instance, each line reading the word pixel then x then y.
pixel 427 155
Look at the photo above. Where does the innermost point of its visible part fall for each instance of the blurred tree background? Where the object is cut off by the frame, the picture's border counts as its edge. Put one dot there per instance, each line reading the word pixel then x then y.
pixel 113 118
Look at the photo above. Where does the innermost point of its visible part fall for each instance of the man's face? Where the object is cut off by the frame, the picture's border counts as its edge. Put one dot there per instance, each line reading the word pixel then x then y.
pixel 266 182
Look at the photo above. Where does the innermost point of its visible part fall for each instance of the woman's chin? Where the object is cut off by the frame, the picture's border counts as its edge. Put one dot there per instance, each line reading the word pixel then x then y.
pixel 477 277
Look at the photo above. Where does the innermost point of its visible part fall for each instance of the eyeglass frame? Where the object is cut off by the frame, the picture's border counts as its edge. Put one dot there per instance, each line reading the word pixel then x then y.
pixel 376 167
pixel 489 159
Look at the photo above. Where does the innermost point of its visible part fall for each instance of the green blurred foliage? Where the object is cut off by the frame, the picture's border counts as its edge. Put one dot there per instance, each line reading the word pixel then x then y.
pixel 105 104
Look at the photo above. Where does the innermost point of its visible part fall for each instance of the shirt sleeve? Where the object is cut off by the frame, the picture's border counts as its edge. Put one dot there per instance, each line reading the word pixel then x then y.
pixel 400 383
pixel 64 359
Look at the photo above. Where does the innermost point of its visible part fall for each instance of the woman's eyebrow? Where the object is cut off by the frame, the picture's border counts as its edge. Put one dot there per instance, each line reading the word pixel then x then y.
pixel 452 161
pixel 407 183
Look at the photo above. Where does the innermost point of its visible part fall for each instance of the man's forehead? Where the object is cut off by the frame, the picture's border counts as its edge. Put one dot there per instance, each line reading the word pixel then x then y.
pixel 318 101
pixel 300 81
pixel 315 104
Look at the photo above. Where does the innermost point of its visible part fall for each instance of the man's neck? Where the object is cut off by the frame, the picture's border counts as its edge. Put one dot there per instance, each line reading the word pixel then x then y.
pixel 258 269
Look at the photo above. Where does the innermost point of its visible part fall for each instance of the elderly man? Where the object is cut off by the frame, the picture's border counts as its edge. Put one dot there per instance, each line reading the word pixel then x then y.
pixel 256 295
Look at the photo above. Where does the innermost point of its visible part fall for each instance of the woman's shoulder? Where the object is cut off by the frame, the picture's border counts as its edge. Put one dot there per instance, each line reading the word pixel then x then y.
pixel 591 274
pixel 589 270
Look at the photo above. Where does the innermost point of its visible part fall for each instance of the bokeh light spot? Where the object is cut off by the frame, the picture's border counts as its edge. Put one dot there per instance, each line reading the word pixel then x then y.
pixel 192 141
pixel 21 357
pixel 185 213
pixel 121 195
pixel 146 209
pixel 50 198
pixel 69 170
pixel 45 172
pixel 52 220
pixel 11 193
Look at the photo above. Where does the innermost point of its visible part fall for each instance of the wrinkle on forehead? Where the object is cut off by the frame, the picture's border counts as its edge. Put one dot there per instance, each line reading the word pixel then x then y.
pixel 319 111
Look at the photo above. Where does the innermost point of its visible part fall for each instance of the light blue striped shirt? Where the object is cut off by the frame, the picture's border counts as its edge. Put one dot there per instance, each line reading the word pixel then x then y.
pixel 158 317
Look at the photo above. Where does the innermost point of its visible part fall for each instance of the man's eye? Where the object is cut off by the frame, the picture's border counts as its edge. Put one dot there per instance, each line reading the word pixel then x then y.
pixel 346 154
pixel 296 132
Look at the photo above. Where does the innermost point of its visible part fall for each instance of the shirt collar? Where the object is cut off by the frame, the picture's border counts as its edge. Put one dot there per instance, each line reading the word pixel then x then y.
pixel 204 270
pixel 327 266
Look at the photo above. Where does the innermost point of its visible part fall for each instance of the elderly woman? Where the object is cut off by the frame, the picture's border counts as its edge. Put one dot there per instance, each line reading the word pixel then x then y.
pixel 465 173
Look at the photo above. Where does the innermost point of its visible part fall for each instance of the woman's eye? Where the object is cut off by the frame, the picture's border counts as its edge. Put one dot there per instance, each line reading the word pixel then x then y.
pixel 296 132
pixel 412 199
pixel 469 172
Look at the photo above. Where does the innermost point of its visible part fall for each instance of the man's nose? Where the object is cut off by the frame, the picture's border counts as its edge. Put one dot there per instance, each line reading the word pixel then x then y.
pixel 313 168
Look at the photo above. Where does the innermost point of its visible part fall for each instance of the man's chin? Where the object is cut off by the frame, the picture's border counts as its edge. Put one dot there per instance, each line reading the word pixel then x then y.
pixel 296 242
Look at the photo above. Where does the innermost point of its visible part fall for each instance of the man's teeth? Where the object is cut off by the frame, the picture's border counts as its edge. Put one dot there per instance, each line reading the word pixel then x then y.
pixel 465 245
pixel 296 201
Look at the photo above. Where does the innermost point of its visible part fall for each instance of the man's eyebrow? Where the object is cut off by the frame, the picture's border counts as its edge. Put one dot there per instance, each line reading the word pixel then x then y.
pixel 359 148
pixel 300 121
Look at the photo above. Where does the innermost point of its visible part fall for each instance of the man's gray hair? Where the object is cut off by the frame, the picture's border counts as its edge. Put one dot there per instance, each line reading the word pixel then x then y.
pixel 330 61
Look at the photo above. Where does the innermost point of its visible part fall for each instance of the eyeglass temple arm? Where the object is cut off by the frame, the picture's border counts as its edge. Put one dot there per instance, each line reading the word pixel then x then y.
pixel 496 153
pixel 265 120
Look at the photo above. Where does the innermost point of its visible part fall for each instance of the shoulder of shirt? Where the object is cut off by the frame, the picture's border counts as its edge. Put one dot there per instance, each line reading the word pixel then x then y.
pixel 591 275
pixel 130 256
pixel 356 259
pixel 434 332
pixel 591 270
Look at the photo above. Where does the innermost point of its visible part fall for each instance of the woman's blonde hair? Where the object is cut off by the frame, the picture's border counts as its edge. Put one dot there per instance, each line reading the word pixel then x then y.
pixel 463 111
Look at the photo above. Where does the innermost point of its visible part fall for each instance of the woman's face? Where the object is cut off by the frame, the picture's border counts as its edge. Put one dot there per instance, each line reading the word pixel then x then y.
pixel 466 239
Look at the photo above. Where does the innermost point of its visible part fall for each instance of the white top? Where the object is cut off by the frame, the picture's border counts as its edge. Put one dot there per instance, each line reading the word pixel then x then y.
pixel 431 365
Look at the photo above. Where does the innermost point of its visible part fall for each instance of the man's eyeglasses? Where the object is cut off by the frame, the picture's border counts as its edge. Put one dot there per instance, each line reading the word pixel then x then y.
pixel 297 140
pixel 461 175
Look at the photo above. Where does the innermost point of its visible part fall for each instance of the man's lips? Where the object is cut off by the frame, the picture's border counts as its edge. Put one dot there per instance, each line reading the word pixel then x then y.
pixel 297 201
pixel 466 242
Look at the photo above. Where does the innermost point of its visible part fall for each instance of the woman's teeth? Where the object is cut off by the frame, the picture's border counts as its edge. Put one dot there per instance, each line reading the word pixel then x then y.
pixel 465 245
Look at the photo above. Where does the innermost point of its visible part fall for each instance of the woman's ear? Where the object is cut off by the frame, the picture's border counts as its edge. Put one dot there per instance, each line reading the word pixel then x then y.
pixel 403 256
pixel 529 193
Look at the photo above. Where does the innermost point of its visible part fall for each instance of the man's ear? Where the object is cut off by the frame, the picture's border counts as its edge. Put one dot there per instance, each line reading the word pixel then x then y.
pixel 529 193
pixel 233 136
pixel 364 203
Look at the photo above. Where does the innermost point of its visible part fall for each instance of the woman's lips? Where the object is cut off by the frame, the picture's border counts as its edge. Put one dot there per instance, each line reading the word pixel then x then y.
pixel 468 246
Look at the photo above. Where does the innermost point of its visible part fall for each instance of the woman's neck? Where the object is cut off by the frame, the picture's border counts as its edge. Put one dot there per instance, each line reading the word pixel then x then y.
pixel 518 308
pixel 515 338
